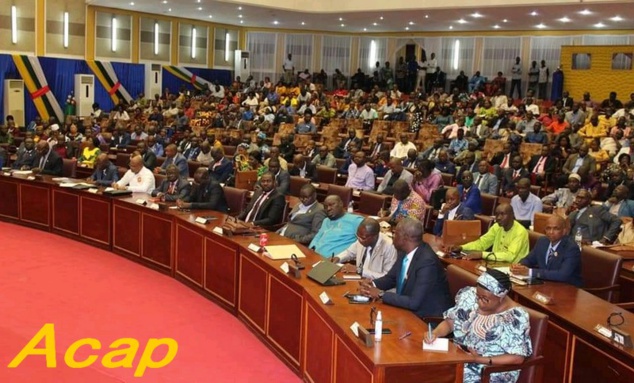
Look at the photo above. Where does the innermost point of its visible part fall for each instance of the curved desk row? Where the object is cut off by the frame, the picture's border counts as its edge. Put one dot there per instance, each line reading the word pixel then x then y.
pixel 287 314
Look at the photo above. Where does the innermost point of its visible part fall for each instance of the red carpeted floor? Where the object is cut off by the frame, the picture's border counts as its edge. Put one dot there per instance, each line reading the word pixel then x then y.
pixel 91 293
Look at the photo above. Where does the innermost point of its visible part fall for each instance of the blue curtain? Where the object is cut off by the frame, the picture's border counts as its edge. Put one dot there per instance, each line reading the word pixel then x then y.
pixel 173 83
pixel 8 71
pixel 131 76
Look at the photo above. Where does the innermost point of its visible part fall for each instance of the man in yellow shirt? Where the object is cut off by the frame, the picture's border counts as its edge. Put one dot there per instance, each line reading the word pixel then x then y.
pixel 594 129
pixel 507 238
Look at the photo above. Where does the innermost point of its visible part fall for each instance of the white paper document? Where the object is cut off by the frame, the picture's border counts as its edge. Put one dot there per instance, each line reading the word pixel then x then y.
pixel 440 344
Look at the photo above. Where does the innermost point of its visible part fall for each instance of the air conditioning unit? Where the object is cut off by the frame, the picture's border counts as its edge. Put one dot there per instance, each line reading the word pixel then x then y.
pixel 84 94
pixel 242 64
pixel 14 101
pixel 153 80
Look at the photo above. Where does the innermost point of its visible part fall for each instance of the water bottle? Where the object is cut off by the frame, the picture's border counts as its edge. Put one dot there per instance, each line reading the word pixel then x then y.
pixel 378 327
pixel 351 207
pixel 578 237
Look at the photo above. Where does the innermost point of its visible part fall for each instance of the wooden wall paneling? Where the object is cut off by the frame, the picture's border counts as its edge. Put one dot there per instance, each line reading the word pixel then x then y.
pixel 284 325
pixel 126 230
pixel 189 255
pixel 65 209
pixel 35 204
pixel 253 293
pixel 95 220
pixel 157 240
pixel 220 270
pixel 319 347
pixel 9 208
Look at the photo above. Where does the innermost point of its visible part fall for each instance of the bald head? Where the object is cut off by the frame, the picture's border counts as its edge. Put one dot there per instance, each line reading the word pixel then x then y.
pixel 504 216
pixel 371 226
pixel 408 234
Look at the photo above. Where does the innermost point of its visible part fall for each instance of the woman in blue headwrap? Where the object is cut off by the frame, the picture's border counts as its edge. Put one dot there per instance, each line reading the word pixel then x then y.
pixel 494 328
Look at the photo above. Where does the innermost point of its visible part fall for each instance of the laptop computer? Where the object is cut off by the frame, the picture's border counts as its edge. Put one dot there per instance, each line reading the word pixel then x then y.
pixel 324 274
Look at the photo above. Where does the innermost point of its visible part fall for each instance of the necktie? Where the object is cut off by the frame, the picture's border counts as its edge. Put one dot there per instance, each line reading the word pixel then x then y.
pixel 505 161
pixel 42 162
pixel 539 164
pixel 256 207
pixel 516 173
pixel 172 188
pixel 550 256
pixel 401 277
pixel 366 253
pixel 478 181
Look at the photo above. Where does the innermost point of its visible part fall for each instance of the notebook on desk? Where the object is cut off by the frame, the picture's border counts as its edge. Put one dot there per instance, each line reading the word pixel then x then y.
pixel 117 192
pixel 324 274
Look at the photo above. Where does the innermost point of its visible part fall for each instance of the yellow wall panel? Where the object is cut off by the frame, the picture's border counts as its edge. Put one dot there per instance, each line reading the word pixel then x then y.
pixel 600 79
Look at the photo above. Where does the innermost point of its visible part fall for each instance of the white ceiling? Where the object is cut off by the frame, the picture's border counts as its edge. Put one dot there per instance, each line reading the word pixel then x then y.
pixel 599 16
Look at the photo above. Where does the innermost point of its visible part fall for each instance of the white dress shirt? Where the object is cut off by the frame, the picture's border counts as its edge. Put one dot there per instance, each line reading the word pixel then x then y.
pixel 141 182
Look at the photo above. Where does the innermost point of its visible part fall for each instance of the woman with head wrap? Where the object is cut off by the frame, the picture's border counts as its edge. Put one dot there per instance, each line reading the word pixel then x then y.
pixel 494 328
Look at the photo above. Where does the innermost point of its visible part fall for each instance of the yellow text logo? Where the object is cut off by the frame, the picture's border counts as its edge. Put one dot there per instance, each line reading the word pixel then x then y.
pixel 121 355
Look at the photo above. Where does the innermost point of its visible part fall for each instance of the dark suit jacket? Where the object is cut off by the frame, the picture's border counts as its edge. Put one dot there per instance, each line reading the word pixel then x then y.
pixel 472 168
pixel 208 197
pixel 588 162
pixel 192 153
pixel 303 227
pixel 311 171
pixel 120 142
pixel 149 159
pixel 462 214
pixel 24 158
pixel 106 176
pixel 567 103
pixel 472 199
pixel 565 267
pixel 374 146
pixel 54 164
pixel 509 181
pixel 221 172
pixel 596 222
pixel 425 290
pixel 270 212
pixel 182 190
pixel 549 166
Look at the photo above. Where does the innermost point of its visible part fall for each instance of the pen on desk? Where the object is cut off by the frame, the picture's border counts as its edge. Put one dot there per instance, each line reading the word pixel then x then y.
pixel 405 335
pixel 429 330
pixel 346 293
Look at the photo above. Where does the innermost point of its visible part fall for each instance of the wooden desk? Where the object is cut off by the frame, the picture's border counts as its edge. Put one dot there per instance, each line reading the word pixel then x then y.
pixel 285 313
pixel 574 351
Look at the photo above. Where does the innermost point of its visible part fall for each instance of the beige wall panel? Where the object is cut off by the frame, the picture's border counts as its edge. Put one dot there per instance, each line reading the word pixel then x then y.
pixel 103 43
pixel 185 45
pixel 147 40
pixel 219 46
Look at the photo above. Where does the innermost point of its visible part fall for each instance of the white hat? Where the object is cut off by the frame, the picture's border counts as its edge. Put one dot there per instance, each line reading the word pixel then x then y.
pixel 54 127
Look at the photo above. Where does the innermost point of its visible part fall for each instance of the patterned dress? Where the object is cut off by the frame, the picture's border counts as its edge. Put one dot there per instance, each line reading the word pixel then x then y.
pixel 507 332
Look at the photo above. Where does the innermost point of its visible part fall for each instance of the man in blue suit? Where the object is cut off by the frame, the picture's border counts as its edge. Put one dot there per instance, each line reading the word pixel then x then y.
pixel 469 193
pixel 619 204
pixel 418 276
pixel 555 257
pixel 105 171
pixel 452 210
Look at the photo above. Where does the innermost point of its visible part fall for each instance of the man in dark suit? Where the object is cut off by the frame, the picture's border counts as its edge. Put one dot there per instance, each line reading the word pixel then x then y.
pixel 192 152
pixel 106 173
pixel 282 178
pixel 485 181
pixel 566 101
pixel 469 194
pixel 149 158
pixel 512 175
pixel 577 161
pixel 303 168
pixel 452 210
pixel 121 139
pixel 221 168
pixel 206 194
pixel 418 276
pixel 267 205
pixel 555 257
pixel 173 157
pixel 542 164
pixel 305 218
pixel 173 187
pixel 376 147
pixel 595 222
pixel 26 155
pixel 343 149
pixel 47 161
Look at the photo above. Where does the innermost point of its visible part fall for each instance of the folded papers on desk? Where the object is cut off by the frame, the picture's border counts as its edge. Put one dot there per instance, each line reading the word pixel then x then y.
pixel 283 251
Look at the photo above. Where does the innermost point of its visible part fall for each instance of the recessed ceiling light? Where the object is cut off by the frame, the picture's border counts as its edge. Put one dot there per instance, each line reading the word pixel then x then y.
pixel 540 26
pixel 407 28
pixel 411 23
pixel 564 19
pixel 132 3
pixel 164 1
pixel 616 18
pixel 476 15
pixel 200 8
pixel 534 13
pixel 303 23
pixel 505 21
pixel 210 16
pixel 169 9
pixel 451 27
pixel 365 29
pixel 381 18
pixel 599 25
pixel 375 24
pixel 585 12
pixel 241 21
pixel 343 25
pixel 276 22
pixel 496 26
pixel 341 19
pixel 239 8
pixel 239 16
pixel 198 1
pixel 427 16
pixel 462 21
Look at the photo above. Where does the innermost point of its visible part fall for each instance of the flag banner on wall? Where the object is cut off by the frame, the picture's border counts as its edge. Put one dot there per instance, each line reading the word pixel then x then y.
pixel 108 78
pixel 45 102
pixel 187 76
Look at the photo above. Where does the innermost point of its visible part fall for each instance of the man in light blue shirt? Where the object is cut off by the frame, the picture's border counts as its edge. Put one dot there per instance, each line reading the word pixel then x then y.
pixel 360 175
pixel 338 231
pixel 306 125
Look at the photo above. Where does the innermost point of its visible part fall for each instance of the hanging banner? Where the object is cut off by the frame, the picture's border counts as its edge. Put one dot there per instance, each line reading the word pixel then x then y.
pixel 108 78
pixel 45 102
pixel 187 76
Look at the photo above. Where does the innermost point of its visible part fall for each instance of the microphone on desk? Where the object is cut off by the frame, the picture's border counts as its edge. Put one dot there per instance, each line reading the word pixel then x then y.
pixel 298 264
